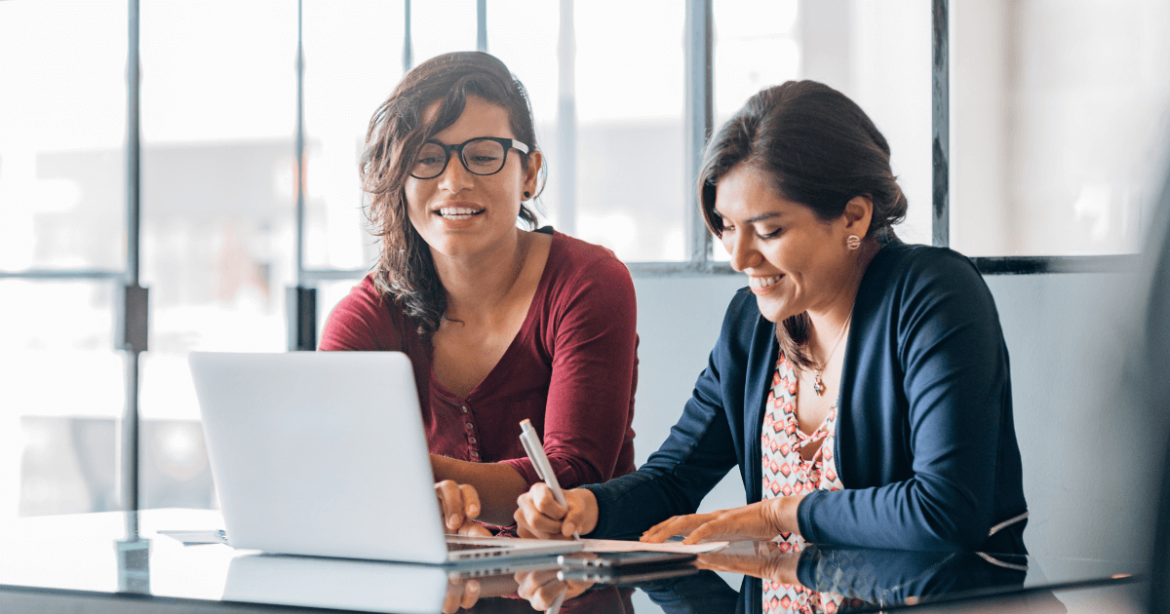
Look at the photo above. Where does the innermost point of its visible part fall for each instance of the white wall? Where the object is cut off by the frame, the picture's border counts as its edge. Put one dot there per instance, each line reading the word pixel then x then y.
pixel 1087 454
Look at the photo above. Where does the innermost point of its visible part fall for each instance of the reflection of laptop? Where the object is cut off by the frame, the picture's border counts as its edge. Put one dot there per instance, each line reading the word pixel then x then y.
pixel 324 454
pixel 365 586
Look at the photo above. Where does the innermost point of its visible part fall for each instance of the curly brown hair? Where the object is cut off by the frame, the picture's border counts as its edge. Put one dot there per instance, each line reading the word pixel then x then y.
pixel 405 272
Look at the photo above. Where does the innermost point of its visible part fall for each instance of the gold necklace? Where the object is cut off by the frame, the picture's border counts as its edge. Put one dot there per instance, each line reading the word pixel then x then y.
pixel 818 384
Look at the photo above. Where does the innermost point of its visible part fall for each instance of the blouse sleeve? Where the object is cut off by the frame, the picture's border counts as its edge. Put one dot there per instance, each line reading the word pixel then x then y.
pixel 956 381
pixel 594 364
pixel 694 458
pixel 361 323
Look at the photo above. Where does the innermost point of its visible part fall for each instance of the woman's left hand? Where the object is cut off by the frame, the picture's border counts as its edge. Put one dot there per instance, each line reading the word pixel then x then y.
pixel 763 520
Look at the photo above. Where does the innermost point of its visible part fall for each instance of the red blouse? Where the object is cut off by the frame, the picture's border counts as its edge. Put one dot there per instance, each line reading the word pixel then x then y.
pixel 571 370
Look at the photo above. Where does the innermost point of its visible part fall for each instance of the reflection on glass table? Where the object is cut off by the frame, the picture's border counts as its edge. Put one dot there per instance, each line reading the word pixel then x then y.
pixel 113 561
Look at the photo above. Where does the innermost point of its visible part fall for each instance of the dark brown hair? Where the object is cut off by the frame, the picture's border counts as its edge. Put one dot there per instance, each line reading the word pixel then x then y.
pixel 405 272
pixel 821 150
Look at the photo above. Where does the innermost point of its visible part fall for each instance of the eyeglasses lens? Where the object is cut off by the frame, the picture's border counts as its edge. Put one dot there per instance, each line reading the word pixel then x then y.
pixel 483 157
pixel 430 162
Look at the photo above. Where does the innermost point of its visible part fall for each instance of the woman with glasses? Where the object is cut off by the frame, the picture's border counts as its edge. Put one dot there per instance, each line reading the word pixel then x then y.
pixel 861 385
pixel 501 322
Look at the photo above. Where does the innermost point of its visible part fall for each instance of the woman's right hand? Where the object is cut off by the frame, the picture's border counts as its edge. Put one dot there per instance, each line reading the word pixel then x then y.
pixel 540 516
pixel 459 505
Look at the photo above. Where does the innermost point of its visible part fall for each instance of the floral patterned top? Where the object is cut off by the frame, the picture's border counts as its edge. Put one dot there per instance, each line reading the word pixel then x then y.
pixel 787 473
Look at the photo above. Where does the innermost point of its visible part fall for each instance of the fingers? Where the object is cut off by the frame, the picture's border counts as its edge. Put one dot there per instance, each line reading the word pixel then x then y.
pixel 458 503
pixel 471 504
pixel 706 530
pixel 532 524
pixel 675 525
pixel 474 529
pixel 460 594
pixel 540 588
pixel 450 504
pixel 470 594
pixel 538 515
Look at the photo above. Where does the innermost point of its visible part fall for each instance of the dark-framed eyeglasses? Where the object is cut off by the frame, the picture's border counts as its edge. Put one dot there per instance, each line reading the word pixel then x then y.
pixel 483 155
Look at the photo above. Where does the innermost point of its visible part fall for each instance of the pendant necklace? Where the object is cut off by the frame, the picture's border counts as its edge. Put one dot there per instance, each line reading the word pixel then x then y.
pixel 818 385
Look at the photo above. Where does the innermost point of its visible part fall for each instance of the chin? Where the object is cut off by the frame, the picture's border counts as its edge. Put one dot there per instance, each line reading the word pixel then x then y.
pixel 772 312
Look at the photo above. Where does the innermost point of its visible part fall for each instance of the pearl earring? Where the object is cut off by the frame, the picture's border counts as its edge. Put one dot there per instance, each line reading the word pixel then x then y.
pixel 853 242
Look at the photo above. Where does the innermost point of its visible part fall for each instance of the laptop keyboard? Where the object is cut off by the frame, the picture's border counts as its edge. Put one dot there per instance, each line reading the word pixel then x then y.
pixel 456 546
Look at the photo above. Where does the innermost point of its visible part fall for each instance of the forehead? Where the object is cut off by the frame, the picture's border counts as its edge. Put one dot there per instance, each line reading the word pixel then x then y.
pixel 479 118
pixel 746 192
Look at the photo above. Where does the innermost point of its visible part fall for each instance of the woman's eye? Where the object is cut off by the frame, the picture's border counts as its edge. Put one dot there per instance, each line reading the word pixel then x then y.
pixel 727 227
pixel 771 235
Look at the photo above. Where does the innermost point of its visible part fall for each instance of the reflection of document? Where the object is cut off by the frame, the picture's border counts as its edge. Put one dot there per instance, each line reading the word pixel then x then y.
pixel 613 545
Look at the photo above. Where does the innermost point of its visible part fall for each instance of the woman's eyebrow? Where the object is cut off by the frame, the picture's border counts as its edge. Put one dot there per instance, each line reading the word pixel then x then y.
pixel 759 218
pixel 763 216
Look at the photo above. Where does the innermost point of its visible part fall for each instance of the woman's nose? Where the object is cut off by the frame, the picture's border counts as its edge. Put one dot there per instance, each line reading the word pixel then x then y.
pixel 455 177
pixel 743 252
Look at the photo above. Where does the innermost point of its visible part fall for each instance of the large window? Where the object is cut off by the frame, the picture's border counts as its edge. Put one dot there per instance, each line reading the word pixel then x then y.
pixel 1058 122
pixel 1053 117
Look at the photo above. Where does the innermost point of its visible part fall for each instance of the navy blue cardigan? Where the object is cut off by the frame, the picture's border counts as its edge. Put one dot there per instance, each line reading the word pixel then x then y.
pixel 925 446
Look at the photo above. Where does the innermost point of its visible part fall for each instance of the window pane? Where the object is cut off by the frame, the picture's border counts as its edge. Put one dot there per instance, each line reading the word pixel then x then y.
pixel 353 60
pixel 218 223
pixel 630 157
pixel 877 53
pixel 1058 120
pixel 60 374
pixel 756 45
pixel 61 133
pixel 524 34
pixel 441 26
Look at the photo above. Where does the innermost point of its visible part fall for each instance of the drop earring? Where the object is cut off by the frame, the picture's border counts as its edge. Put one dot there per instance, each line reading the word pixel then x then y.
pixel 853 242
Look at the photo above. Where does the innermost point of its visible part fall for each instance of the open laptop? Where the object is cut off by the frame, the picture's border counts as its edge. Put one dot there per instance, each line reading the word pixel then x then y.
pixel 324 454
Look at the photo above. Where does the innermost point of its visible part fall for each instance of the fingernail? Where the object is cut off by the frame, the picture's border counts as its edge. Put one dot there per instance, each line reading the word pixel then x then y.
pixel 453 521
pixel 473 510
pixel 568 528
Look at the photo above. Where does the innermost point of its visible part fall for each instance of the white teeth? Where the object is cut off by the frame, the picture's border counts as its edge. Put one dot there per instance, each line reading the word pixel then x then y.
pixel 760 283
pixel 458 213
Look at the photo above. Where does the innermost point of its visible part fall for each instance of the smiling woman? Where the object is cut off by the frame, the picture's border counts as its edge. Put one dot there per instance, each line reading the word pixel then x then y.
pixel 501 323
pixel 860 384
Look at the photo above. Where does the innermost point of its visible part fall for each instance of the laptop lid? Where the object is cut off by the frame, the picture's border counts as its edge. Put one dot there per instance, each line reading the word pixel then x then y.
pixel 320 453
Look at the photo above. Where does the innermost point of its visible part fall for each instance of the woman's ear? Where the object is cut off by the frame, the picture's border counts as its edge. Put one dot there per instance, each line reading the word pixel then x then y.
pixel 532 173
pixel 858 213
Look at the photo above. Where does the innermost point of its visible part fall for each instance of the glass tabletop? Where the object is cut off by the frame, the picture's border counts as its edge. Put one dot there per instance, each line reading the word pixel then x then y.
pixel 104 559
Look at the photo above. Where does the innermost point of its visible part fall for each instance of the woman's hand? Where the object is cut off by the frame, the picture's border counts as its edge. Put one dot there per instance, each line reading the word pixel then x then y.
pixel 763 520
pixel 541 517
pixel 459 504
pixel 541 588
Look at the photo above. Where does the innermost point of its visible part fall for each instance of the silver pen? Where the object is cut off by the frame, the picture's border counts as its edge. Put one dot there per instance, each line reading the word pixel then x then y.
pixel 535 451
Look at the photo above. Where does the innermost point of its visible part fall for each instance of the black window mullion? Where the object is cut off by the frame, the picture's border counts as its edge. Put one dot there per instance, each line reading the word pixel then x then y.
pixel 698 120
pixel 940 122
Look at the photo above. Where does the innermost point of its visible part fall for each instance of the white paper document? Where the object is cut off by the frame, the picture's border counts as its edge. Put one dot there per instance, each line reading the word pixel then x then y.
pixel 613 545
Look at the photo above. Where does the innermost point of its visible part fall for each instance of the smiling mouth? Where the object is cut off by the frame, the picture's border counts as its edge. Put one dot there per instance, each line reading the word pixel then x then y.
pixel 457 213
pixel 758 284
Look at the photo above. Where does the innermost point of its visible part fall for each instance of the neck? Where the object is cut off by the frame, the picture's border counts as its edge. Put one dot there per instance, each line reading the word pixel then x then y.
pixel 829 320
pixel 477 282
